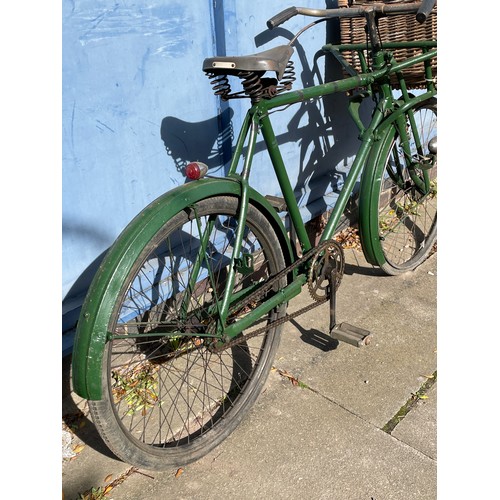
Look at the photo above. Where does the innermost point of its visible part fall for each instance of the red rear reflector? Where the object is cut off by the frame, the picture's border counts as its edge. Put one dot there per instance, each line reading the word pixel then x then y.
pixel 195 170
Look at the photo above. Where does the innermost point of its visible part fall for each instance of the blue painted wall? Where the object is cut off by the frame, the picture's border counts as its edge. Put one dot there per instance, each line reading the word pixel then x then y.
pixel 137 108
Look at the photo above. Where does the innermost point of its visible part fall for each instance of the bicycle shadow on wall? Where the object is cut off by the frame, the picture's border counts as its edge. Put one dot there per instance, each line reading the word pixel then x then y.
pixel 328 138
pixel 208 141
pixel 323 129
pixel 200 140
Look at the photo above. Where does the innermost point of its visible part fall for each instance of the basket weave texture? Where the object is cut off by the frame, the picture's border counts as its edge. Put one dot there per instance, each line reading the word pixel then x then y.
pixel 392 29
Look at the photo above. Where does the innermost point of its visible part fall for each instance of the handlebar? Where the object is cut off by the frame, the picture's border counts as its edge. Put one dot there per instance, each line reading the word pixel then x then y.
pixel 282 17
pixel 421 8
pixel 425 10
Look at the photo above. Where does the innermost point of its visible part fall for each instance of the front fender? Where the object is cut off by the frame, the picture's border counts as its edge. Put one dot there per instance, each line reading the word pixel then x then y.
pixel 368 199
pixel 372 178
pixel 97 308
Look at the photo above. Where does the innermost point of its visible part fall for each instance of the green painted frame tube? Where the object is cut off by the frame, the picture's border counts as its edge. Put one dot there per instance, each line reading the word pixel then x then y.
pixel 354 172
pixel 343 85
pixel 243 210
pixel 280 297
pixel 296 96
pixel 197 264
pixel 284 181
pixel 240 143
pixel 416 44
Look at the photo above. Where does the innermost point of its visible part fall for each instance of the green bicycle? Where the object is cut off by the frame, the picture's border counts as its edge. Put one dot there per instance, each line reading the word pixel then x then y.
pixel 180 326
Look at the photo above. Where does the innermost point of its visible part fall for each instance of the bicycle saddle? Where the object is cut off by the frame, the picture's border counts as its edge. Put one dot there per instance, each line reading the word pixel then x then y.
pixel 274 59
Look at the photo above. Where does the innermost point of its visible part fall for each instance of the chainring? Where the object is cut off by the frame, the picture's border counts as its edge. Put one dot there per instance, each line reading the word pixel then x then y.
pixel 321 267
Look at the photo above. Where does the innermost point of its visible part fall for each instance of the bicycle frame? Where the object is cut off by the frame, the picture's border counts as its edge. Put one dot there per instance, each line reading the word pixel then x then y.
pixel 388 113
pixel 182 320
pixel 93 331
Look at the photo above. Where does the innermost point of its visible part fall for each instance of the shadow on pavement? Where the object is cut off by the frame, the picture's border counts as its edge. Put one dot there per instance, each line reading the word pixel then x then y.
pixel 316 338
pixel 75 418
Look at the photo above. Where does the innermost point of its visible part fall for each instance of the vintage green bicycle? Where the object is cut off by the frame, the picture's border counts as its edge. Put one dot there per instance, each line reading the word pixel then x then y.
pixel 180 326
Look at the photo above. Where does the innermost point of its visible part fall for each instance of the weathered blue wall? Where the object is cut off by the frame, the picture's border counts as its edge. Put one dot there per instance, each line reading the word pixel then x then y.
pixel 137 107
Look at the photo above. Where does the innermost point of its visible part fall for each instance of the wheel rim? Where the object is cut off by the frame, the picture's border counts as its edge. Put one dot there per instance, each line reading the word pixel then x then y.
pixel 169 393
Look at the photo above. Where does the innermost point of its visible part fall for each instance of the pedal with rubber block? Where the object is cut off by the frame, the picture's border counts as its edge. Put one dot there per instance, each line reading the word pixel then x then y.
pixel 278 203
pixel 345 332
pixel 351 334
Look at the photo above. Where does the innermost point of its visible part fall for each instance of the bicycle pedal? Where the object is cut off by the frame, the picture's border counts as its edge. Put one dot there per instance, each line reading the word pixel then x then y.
pixel 279 204
pixel 351 334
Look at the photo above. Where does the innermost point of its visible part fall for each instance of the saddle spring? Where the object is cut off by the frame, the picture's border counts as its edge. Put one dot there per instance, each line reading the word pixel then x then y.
pixel 288 77
pixel 254 86
pixel 220 85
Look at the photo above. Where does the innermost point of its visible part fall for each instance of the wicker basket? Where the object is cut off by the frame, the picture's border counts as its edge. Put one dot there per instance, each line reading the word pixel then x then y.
pixel 392 29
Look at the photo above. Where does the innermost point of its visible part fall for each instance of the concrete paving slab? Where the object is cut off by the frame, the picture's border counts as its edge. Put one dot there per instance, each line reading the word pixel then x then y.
pixel 319 443
pixel 296 444
pixel 373 381
pixel 419 428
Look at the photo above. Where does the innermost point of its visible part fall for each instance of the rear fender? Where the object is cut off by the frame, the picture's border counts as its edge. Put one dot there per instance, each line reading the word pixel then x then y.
pixel 91 333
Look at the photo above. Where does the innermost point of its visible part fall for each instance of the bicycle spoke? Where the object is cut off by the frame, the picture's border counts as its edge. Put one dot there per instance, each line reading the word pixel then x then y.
pixel 167 385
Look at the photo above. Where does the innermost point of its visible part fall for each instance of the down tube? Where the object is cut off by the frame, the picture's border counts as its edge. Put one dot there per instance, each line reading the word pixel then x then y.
pixel 353 175
pixel 287 190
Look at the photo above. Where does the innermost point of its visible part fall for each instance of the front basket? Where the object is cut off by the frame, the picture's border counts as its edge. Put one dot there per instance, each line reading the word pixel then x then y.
pixel 392 29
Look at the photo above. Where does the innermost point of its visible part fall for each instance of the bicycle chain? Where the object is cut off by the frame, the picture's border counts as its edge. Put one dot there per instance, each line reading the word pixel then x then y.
pixel 254 296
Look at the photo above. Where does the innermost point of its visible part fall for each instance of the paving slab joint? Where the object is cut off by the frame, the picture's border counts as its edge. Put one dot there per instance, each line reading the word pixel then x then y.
pixel 410 404
pixel 295 381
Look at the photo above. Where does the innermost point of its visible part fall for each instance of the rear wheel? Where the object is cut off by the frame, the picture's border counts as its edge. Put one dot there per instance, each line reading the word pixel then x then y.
pixel 406 194
pixel 169 396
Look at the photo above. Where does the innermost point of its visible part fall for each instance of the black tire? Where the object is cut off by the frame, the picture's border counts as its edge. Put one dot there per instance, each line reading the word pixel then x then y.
pixel 169 401
pixel 407 218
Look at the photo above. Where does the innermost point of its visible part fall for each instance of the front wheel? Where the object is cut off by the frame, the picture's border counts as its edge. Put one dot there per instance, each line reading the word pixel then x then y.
pixel 403 204
pixel 169 396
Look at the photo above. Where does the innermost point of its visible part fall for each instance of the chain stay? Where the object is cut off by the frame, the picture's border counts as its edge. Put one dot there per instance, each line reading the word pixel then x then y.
pixel 269 326
pixel 254 296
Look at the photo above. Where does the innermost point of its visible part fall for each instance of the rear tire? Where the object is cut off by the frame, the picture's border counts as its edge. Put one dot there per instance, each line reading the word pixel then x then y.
pixel 169 400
